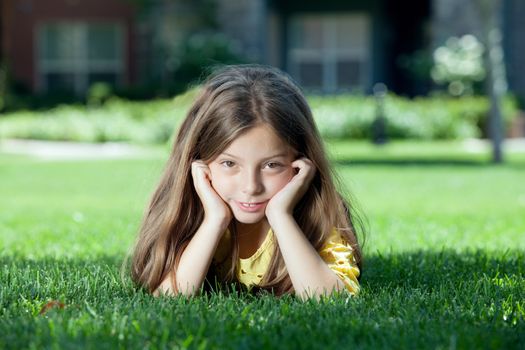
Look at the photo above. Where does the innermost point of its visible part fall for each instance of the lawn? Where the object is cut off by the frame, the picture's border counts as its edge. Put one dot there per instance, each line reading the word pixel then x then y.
pixel 445 259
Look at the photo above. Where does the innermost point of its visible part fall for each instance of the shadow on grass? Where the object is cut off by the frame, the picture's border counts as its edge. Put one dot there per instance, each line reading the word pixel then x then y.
pixel 428 269
pixel 413 300
pixel 422 162
pixel 412 162
pixel 90 277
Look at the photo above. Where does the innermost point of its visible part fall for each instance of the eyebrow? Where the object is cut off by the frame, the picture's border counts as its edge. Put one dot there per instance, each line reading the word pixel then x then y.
pixel 274 156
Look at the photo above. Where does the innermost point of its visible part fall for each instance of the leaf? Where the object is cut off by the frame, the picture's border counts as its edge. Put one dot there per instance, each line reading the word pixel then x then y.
pixel 51 305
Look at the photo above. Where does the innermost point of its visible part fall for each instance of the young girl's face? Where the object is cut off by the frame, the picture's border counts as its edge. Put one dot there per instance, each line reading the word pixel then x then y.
pixel 248 173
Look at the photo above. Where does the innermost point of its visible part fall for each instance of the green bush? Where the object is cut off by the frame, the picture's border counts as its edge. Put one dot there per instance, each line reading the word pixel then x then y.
pixel 338 117
pixel 117 120
pixel 436 117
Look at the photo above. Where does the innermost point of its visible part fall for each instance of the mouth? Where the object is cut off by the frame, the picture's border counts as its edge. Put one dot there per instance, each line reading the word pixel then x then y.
pixel 250 206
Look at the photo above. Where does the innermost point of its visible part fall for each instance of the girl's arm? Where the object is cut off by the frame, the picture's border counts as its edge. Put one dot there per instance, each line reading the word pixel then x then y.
pixel 196 259
pixel 198 254
pixel 310 275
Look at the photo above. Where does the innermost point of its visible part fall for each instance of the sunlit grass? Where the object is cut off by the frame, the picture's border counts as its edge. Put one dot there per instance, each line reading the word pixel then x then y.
pixel 444 259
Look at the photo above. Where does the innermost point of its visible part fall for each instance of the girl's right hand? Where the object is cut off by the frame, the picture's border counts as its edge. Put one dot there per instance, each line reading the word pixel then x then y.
pixel 215 209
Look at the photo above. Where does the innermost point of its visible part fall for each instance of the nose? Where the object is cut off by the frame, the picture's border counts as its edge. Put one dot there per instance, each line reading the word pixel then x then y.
pixel 252 183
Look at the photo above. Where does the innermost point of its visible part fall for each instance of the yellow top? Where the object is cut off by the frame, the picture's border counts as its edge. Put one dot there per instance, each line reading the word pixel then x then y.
pixel 336 252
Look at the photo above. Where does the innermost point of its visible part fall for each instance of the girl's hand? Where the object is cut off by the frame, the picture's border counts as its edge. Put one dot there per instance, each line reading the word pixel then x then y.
pixel 215 209
pixel 284 201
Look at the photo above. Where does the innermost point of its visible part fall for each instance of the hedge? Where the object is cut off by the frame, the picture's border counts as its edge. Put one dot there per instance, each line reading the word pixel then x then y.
pixel 338 117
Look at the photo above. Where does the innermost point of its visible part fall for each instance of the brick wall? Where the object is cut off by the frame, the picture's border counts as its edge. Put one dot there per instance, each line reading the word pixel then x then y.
pixel 20 18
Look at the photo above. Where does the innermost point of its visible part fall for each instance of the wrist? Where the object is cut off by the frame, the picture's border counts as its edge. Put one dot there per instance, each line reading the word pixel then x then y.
pixel 275 218
pixel 217 222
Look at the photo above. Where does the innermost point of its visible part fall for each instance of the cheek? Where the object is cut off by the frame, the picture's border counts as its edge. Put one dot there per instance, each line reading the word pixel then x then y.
pixel 220 183
pixel 277 182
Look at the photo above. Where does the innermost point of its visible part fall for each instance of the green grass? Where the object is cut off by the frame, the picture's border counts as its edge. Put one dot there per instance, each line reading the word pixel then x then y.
pixel 444 259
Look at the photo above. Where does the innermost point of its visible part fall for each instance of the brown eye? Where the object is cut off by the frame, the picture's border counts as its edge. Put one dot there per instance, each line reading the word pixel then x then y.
pixel 273 165
pixel 228 163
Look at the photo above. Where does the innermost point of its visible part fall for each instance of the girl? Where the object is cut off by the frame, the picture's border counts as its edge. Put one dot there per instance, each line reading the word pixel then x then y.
pixel 248 197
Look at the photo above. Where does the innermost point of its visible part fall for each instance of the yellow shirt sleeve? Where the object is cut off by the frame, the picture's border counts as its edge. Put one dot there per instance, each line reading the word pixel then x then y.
pixel 338 254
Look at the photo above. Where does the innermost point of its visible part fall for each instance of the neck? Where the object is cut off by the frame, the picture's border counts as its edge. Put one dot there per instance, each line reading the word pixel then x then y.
pixel 256 229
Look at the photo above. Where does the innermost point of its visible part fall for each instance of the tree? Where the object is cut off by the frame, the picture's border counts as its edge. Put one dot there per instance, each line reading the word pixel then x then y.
pixel 490 12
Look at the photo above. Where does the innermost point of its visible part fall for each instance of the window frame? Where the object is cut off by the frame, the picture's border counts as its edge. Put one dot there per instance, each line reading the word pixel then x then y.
pixel 330 54
pixel 81 65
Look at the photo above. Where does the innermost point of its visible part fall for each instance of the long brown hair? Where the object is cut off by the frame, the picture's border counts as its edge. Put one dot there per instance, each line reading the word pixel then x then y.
pixel 233 100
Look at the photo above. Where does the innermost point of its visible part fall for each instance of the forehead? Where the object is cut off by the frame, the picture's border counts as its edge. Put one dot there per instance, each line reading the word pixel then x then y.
pixel 260 141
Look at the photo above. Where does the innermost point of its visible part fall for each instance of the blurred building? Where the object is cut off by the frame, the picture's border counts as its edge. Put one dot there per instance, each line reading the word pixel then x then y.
pixel 67 44
pixel 328 46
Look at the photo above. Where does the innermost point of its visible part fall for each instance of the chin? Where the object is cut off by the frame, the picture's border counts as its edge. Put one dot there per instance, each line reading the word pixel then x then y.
pixel 248 218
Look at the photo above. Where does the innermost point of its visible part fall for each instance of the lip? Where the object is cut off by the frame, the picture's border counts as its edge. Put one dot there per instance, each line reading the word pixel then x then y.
pixel 253 208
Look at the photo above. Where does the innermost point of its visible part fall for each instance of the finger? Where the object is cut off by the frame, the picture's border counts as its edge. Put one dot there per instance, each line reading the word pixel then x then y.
pixel 303 165
pixel 200 165
pixel 195 165
pixel 306 172
pixel 302 161
pixel 195 171
pixel 198 172
pixel 207 172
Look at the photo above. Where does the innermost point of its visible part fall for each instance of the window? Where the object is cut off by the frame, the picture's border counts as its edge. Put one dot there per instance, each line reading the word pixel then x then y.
pixel 329 52
pixel 74 55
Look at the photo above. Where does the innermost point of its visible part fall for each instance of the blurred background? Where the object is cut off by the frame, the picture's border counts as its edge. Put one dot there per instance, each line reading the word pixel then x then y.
pixel 379 70
pixel 416 101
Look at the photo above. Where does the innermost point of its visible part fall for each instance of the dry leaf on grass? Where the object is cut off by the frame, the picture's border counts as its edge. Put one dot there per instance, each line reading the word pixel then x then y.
pixel 51 305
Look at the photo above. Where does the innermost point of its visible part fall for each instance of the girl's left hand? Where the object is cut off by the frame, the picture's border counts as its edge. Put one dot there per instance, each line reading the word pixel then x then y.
pixel 284 201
